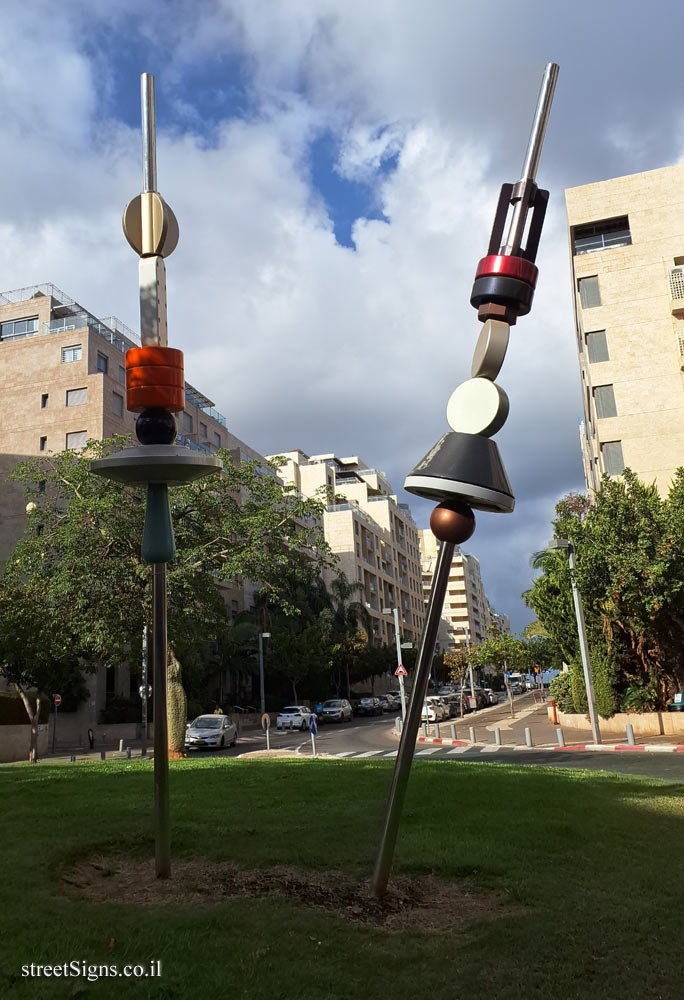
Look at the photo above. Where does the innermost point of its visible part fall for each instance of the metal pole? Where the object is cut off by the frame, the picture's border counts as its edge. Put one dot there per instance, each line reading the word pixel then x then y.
pixel 397 637
pixel 54 727
pixel 584 648
pixel 262 690
pixel 407 743
pixel 143 749
pixel 161 741
pixel 149 132
pixel 531 163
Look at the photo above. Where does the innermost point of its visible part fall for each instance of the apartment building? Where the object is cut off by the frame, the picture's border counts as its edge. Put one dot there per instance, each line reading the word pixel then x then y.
pixel 467 613
pixel 374 536
pixel 627 257
pixel 62 380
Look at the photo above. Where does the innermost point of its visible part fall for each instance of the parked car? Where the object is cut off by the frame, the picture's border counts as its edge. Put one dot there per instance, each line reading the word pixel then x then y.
pixel 370 706
pixel 517 688
pixel 388 703
pixel 293 717
pixel 436 708
pixel 210 731
pixel 492 696
pixel 336 710
pixel 453 704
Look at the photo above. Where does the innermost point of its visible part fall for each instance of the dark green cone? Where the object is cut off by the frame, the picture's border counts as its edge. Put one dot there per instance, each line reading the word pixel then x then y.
pixel 158 544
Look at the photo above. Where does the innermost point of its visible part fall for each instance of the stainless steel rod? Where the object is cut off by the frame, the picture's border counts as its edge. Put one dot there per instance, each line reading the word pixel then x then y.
pixel 531 162
pixel 584 648
pixel 162 848
pixel 149 132
pixel 409 732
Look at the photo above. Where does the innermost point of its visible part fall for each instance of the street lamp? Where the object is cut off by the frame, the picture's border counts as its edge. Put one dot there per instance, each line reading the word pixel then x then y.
pixel 400 667
pixel 563 543
pixel 466 630
pixel 262 690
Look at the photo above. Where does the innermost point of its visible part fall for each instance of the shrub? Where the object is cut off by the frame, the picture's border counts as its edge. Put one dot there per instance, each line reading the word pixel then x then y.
pixel 579 691
pixel 561 691
pixel 121 710
pixel 604 673
pixel 640 697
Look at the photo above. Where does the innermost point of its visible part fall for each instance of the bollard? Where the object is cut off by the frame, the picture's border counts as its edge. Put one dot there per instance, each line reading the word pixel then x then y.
pixel 143 752
pixel 630 735
pixel 472 734
pixel 425 729
pixel 497 736
pixel 555 711
pixel 121 746
pixel 73 758
pixel 528 736
pixel 103 754
pixel 560 738
pixel 435 730
pixel 128 753
pixel 452 729
pixel 398 723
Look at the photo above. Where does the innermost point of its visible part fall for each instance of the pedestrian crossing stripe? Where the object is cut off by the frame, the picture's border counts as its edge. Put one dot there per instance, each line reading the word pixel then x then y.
pixel 490 749
pixel 457 750
pixel 368 753
pixel 426 753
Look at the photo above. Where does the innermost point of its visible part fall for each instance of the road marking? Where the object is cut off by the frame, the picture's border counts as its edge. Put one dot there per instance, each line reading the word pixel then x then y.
pixel 368 753
pixel 393 753
pixel 346 753
pixel 660 748
pixel 458 750
pixel 490 749
pixel 426 753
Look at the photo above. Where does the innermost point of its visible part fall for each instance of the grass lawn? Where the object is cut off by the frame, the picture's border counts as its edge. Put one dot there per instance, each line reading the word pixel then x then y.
pixel 588 861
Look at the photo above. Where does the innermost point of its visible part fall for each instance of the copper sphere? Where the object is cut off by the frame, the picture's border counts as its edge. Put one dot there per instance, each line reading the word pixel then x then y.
pixel 452 521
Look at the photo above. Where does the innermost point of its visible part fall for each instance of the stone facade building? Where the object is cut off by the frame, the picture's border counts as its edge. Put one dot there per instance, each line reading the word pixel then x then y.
pixel 627 259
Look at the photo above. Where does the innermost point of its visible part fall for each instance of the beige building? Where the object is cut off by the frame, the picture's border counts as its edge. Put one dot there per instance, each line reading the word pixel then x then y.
pixel 467 613
pixel 62 380
pixel 627 257
pixel 373 535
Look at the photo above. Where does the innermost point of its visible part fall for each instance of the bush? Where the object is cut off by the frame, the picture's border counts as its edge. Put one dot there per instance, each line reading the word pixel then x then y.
pixel 579 691
pixel 640 697
pixel 121 710
pixel 561 691
pixel 603 672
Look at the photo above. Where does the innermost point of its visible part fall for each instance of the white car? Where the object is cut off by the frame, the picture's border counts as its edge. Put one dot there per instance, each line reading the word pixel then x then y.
pixel 293 717
pixel 211 731
pixel 436 710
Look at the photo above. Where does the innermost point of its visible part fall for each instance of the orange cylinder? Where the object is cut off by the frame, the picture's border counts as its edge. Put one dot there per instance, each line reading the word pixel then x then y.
pixel 155 378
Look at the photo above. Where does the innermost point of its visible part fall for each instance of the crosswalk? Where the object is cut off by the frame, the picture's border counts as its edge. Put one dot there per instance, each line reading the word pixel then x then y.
pixel 443 751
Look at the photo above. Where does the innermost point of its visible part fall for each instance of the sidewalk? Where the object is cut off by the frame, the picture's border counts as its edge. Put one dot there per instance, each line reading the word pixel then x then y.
pixel 535 718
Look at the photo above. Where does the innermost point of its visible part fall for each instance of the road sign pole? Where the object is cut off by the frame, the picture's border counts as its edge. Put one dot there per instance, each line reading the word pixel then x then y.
pixel 54 726
pixel 143 733
pixel 397 638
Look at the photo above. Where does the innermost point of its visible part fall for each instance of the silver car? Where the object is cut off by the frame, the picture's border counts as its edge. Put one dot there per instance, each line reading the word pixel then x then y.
pixel 337 710
pixel 211 732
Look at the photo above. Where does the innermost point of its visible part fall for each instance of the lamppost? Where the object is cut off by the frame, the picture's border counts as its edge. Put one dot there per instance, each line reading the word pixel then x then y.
pixel 466 630
pixel 563 543
pixel 262 690
pixel 400 666
pixel 144 691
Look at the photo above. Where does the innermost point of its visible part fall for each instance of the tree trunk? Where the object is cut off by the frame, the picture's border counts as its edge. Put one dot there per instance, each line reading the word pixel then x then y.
pixel 176 707
pixel 33 719
pixel 294 691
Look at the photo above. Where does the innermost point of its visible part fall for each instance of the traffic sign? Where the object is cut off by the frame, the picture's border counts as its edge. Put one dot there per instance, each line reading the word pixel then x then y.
pixel 400 671
pixel 265 720
pixel 313 728
pixel 58 700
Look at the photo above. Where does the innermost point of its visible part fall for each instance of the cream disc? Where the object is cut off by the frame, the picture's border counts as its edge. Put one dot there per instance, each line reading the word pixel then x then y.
pixel 477 406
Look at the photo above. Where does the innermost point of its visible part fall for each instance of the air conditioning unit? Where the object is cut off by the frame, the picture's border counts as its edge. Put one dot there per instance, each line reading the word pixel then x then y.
pixel 676 282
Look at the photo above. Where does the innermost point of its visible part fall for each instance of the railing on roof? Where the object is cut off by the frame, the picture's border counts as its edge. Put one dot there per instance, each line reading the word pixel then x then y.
pixel 204 404
pixel 193 445
pixel 39 291
pixel 85 321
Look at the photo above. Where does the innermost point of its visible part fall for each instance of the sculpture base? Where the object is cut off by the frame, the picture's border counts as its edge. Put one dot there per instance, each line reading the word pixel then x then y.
pixel 156 463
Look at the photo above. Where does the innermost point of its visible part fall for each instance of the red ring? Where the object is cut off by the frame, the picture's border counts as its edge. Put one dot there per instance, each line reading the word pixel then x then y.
pixel 511 267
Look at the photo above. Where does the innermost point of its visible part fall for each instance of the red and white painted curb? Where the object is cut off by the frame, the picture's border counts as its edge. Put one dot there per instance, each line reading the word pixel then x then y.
pixel 644 747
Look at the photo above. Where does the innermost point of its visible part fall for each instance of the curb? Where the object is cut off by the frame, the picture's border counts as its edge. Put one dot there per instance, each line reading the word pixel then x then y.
pixel 643 748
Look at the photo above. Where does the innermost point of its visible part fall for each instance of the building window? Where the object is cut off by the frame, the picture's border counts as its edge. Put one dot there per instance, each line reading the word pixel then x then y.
pixel 117 404
pixel 356 527
pixel 76 439
pixel 604 397
pixel 102 363
pixel 602 235
pixel 76 397
pixel 44 401
pixel 43 443
pixel 203 431
pixel 41 486
pixel 217 440
pixel 613 462
pixel 589 293
pixel 187 422
pixel 18 328
pixel 597 346
pixel 73 353
pixel 122 375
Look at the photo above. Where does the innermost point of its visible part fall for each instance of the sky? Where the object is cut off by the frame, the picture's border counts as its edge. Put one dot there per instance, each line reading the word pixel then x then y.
pixel 334 167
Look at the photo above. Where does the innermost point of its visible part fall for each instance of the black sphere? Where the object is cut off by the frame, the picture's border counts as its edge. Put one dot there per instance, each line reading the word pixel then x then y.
pixel 156 426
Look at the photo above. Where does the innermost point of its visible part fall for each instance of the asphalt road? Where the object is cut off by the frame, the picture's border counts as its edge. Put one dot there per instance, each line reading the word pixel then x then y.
pixel 372 738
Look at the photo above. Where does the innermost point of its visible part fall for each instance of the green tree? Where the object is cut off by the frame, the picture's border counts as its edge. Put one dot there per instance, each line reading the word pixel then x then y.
pixel 80 558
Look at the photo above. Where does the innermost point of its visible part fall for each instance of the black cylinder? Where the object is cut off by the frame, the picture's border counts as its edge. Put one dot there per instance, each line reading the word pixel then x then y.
pixel 504 291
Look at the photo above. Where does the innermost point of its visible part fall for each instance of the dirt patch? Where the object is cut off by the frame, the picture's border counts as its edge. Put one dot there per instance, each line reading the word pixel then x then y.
pixel 421 902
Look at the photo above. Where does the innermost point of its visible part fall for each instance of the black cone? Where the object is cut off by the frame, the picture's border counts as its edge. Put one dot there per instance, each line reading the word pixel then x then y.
pixel 464 467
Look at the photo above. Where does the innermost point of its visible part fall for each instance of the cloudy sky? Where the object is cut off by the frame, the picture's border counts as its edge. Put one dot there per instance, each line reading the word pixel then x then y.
pixel 334 166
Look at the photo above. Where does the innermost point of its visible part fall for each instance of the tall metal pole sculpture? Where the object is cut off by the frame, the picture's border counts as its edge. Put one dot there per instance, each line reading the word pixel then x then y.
pixel 155 390
pixel 464 469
